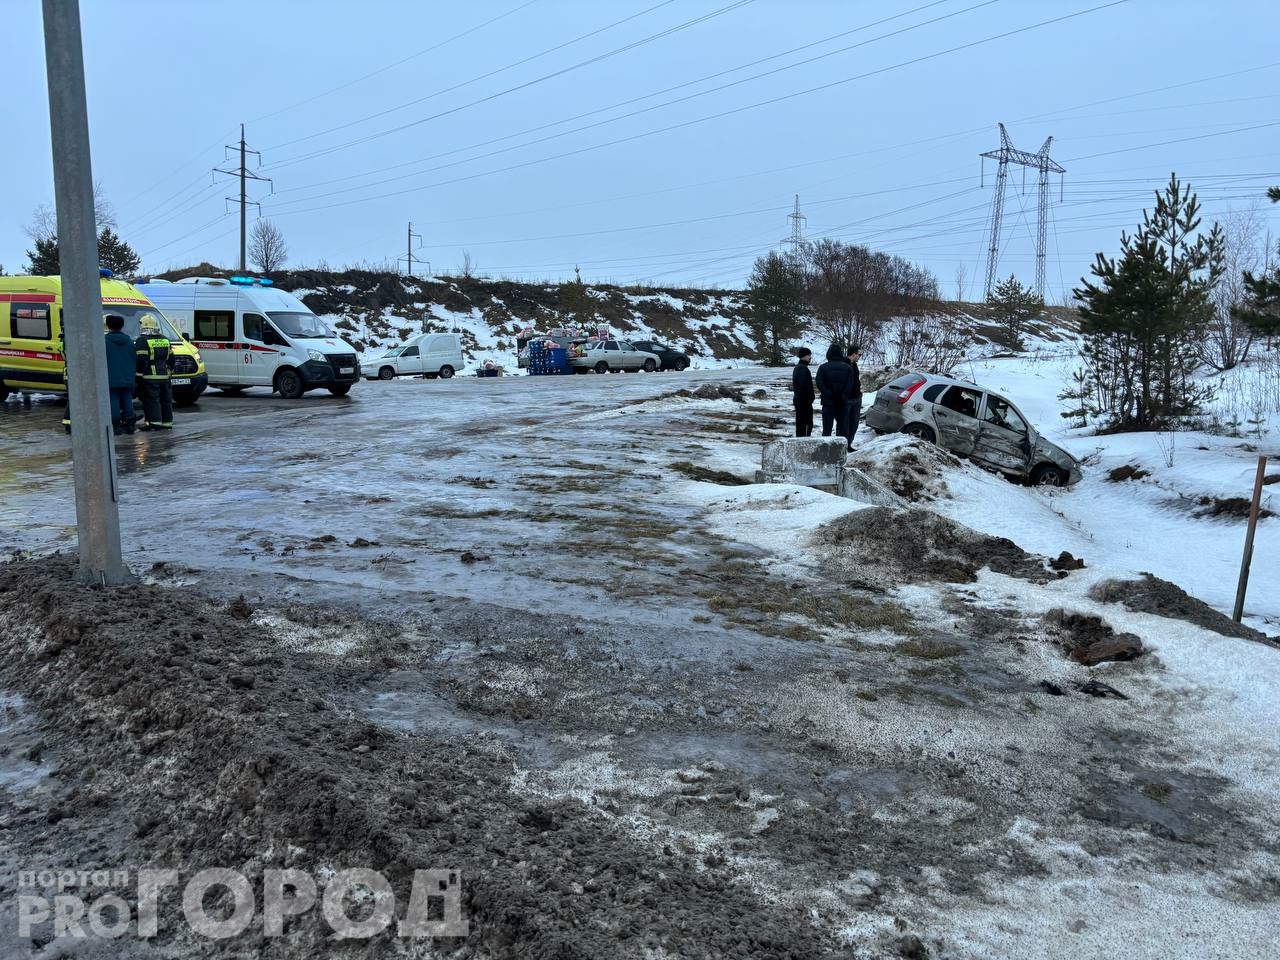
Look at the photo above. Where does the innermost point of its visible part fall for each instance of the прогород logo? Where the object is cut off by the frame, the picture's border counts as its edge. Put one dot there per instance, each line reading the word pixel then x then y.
pixel 110 904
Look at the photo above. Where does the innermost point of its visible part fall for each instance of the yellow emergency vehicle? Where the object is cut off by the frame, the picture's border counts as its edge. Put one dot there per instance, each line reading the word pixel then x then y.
pixel 31 330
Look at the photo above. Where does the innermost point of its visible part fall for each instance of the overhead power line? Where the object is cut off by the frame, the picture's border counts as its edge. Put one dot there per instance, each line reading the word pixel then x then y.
pixel 735 110
pixel 728 8
pixel 391 66
pixel 647 96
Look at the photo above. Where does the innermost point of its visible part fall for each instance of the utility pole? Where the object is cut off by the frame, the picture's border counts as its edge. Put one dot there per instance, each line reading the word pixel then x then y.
pixel 245 175
pixel 408 257
pixel 1238 611
pixel 798 220
pixel 1040 161
pixel 93 462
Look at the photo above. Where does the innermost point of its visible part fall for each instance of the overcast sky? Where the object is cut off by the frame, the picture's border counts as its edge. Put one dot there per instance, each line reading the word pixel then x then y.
pixel 683 186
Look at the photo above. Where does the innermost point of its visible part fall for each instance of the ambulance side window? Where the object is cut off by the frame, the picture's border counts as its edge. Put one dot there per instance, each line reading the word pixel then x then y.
pixel 30 321
pixel 253 326
pixel 215 325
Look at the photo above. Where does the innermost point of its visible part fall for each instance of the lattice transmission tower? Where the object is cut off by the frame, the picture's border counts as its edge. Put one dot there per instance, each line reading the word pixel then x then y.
pixel 1040 161
pixel 798 221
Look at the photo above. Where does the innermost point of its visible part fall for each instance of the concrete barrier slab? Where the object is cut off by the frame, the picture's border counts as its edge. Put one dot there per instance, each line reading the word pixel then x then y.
pixel 810 461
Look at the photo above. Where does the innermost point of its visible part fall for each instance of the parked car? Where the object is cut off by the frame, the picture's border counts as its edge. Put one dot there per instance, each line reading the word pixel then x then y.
pixel 428 355
pixel 605 355
pixel 973 422
pixel 671 359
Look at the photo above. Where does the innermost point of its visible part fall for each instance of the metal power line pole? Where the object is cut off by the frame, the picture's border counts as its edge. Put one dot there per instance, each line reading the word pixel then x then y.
pixel 408 257
pixel 245 175
pixel 798 220
pixel 1040 161
pixel 92 447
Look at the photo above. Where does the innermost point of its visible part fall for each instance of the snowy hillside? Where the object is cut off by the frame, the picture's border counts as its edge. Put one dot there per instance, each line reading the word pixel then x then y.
pixel 376 311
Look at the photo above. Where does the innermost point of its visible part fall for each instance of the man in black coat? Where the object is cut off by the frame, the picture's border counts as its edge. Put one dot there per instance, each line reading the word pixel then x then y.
pixel 835 383
pixel 802 393
pixel 853 412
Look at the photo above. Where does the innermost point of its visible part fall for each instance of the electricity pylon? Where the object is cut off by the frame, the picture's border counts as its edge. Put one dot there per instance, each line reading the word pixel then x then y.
pixel 1040 161
pixel 797 229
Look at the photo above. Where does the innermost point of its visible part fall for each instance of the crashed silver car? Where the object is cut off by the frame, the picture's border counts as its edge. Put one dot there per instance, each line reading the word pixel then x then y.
pixel 973 422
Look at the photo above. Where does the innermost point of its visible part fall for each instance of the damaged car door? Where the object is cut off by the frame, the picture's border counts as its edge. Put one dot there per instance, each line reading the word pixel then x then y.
pixel 1004 440
pixel 956 416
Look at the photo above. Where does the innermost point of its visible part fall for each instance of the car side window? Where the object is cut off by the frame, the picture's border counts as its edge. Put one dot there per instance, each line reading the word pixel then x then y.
pixel 410 351
pixel 253 326
pixel 611 345
pixel 624 347
pixel 963 400
pixel 932 393
pixel 1002 415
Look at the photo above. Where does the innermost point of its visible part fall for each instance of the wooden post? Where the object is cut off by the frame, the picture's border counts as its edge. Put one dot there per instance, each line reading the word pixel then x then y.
pixel 1248 540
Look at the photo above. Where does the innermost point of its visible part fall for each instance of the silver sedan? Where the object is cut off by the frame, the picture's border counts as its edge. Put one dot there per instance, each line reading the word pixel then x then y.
pixel 603 356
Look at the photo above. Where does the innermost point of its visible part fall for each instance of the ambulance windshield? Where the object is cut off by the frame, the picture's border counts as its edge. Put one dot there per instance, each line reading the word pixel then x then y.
pixel 302 326
pixel 133 319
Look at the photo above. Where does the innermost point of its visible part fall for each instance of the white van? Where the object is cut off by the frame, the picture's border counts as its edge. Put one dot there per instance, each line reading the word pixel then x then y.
pixel 252 335
pixel 428 355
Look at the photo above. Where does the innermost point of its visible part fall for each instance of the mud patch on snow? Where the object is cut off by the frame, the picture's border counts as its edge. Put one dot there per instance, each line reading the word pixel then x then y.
pixel 917 546
pixel 695 471
pixel 1150 594
pixel 188 740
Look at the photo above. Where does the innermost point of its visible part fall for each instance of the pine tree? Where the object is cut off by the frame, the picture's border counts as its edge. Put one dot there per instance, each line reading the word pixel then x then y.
pixel 113 253
pixel 775 305
pixel 1148 310
pixel 1261 309
pixel 1014 307
pixel 43 260
pixel 116 255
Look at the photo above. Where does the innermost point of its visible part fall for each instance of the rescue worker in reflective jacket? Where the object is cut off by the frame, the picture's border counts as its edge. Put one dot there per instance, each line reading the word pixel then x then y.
pixel 155 359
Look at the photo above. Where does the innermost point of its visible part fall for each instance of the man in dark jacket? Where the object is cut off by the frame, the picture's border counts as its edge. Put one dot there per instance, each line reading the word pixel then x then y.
pixel 154 353
pixel 121 369
pixel 802 393
pixel 853 412
pixel 835 386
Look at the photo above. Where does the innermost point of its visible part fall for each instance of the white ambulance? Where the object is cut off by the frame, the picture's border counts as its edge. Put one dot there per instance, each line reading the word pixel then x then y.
pixel 252 335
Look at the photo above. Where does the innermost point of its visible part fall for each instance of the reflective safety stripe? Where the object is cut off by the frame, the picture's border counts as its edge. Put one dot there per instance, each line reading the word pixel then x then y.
pixel 156 376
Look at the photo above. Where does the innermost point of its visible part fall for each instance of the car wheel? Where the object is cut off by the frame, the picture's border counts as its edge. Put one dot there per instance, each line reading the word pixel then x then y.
pixel 649 366
pixel 1048 475
pixel 682 365
pixel 4 393
pixel 340 389
pixel 289 384
pixel 921 430
pixel 386 373
pixel 601 367
pixel 446 372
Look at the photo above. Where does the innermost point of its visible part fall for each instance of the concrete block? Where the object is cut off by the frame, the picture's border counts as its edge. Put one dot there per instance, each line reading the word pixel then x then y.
pixel 856 485
pixel 810 461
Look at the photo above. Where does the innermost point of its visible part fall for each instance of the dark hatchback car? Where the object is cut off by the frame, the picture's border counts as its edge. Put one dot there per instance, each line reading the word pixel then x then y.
pixel 672 359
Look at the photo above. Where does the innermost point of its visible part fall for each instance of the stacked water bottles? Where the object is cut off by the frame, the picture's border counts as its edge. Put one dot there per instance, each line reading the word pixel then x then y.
pixel 547 358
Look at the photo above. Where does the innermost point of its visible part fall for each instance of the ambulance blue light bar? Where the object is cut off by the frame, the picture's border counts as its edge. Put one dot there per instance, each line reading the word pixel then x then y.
pixel 242 281
pixel 104 273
